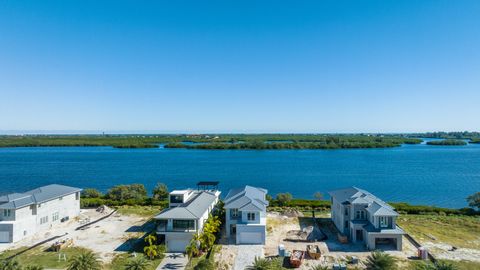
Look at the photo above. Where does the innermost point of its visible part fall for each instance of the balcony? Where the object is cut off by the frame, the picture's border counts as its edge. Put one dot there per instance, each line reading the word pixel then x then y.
pixel 176 226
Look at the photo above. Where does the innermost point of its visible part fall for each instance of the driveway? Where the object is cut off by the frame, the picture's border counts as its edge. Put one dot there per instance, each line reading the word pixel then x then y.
pixel 246 256
pixel 173 261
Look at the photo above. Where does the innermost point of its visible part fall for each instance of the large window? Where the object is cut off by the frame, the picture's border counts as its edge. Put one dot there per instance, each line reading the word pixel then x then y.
pixel 234 212
pixel 55 216
pixel 183 225
pixel 251 216
pixel 176 198
pixel 383 222
pixel 360 214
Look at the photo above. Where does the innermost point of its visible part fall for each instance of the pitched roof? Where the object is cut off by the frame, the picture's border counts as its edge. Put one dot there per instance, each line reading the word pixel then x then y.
pixel 354 195
pixel 192 209
pixel 247 198
pixel 35 196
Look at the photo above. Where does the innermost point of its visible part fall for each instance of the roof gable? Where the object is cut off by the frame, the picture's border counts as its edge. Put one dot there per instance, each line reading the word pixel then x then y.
pixel 241 198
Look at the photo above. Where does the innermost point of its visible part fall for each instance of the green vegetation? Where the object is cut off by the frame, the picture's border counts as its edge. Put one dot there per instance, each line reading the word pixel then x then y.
pixel 261 142
pixel 85 260
pixel 284 198
pixel 447 142
pixel 458 231
pixel 126 261
pixel 134 195
pixel 151 250
pixel 212 141
pixel 267 264
pixel 444 265
pixel 138 263
pixel 203 242
pixel 41 257
pixel 474 200
pixel 160 192
pixel 446 135
pixel 205 261
pixel 127 192
pixel 381 260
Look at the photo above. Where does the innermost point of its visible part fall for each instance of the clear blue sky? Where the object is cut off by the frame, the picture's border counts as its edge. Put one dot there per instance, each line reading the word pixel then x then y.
pixel 240 66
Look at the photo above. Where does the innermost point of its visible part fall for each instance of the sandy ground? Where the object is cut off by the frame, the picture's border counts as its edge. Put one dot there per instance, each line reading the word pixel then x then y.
pixel 226 257
pixel 106 238
pixel 444 251
pixel 332 251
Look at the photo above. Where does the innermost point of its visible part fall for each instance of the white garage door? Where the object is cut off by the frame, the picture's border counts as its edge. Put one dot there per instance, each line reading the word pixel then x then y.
pixel 177 245
pixel 250 238
pixel 4 237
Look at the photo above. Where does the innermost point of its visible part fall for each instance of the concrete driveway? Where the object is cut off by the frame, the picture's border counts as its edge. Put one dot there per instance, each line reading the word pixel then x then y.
pixel 173 261
pixel 246 256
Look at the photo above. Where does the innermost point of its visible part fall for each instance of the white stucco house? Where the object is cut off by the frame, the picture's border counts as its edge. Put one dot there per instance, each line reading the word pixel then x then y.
pixel 24 214
pixel 188 210
pixel 246 215
pixel 364 218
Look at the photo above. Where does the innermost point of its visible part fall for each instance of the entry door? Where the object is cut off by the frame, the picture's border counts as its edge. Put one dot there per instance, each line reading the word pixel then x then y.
pixel 4 237
pixel 359 235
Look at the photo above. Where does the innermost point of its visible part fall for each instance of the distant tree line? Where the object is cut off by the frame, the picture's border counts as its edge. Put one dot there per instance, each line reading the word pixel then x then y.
pixel 447 142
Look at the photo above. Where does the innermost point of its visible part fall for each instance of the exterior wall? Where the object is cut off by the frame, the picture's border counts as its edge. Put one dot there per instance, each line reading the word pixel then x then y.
pixel 338 215
pixel 371 237
pixel 242 228
pixel 174 240
pixel 28 219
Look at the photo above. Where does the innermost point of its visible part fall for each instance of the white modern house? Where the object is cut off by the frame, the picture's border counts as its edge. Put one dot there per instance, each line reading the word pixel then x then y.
pixel 24 214
pixel 246 215
pixel 188 210
pixel 364 218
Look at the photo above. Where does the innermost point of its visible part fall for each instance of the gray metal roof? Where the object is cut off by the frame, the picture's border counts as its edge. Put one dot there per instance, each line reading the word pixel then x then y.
pixel 194 208
pixel 36 196
pixel 354 195
pixel 246 196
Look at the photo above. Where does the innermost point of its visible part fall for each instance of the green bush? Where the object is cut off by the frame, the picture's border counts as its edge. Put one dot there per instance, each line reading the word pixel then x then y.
pixel 127 192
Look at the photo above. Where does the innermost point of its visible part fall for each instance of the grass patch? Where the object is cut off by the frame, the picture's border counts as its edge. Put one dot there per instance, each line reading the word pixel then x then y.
pixel 39 256
pixel 461 265
pixel 139 210
pixel 121 260
pixel 458 231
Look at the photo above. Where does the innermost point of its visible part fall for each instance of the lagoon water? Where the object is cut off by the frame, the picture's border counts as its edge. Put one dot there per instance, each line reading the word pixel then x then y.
pixel 419 174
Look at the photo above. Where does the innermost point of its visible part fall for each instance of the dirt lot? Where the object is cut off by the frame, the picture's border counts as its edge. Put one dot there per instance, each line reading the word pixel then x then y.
pixel 332 250
pixel 106 238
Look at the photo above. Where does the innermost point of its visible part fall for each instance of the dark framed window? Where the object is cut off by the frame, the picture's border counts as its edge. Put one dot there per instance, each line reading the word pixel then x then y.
pixel 184 225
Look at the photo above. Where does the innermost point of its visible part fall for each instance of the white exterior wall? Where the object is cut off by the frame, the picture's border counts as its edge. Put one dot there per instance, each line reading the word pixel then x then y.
pixel 175 241
pixel 26 223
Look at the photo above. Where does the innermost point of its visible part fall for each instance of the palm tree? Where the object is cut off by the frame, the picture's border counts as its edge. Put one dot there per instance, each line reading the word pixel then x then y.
pixel 86 260
pixel 139 263
pixel 33 267
pixel 151 239
pixel 192 250
pixel 10 265
pixel 151 251
pixel 379 260
pixel 259 264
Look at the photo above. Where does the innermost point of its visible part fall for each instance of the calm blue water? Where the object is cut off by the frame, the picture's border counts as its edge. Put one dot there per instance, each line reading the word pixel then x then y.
pixel 419 174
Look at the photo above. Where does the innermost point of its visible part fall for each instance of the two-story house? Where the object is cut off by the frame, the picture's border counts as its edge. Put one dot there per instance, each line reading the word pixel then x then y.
pixel 365 218
pixel 24 214
pixel 245 214
pixel 188 210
